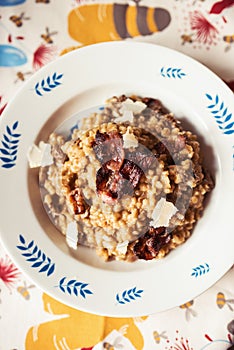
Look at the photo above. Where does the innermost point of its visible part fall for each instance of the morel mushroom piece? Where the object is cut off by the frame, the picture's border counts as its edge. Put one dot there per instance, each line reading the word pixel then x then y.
pixel 109 146
pixel 148 246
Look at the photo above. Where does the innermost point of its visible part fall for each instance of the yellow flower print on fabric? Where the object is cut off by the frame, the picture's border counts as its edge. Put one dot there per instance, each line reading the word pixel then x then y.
pixel 77 329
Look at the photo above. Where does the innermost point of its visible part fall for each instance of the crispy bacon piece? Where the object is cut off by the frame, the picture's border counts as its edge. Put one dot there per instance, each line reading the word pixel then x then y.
pixel 113 184
pixel 107 184
pixel 148 246
pixel 117 176
pixel 109 146
pixel 142 157
pixel 131 172
pixel 154 105
pixel 121 169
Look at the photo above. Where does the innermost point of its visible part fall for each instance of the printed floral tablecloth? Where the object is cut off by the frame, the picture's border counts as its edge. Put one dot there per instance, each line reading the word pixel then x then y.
pixel 34 32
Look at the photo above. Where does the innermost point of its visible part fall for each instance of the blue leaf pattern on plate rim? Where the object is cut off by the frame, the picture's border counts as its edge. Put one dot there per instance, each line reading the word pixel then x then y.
pixel 48 84
pixel 35 256
pixel 129 295
pixel 9 146
pixel 74 287
pixel 171 72
pixel 200 270
pixel 219 111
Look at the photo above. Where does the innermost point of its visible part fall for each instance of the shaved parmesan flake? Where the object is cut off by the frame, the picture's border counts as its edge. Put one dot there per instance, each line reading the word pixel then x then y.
pixel 129 140
pixel 162 213
pixel 122 247
pixel 128 108
pixel 130 105
pixel 40 155
pixel 126 117
pixel 72 235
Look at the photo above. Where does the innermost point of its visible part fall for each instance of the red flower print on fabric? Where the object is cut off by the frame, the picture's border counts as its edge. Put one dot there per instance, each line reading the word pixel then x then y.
pixel 8 272
pixel 42 56
pixel 205 31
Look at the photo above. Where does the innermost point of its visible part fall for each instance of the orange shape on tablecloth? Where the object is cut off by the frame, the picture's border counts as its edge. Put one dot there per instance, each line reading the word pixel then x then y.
pixel 77 329
pixel 94 23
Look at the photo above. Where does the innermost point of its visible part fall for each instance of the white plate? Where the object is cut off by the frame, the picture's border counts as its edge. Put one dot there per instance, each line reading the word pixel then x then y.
pixel 83 79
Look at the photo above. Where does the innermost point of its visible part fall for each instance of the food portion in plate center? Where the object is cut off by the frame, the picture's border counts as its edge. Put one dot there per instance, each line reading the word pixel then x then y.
pixel 129 182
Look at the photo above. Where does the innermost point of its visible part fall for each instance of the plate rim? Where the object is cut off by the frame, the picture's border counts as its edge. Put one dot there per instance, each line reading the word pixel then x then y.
pixel 10 106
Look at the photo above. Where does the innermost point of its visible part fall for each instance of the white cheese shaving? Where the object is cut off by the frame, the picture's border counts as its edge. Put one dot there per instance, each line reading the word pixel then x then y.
pixel 128 108
pixel 162 213
pixel 126 117
pixel 122 247
pixel 40 155
pixel 129 140
pixel 130 105
pixel 72 235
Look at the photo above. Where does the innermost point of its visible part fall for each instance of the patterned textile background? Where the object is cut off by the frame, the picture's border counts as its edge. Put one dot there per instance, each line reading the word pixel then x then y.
pixel 34 32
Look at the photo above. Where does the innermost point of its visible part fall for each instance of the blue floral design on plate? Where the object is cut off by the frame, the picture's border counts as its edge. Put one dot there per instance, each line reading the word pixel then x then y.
pixel 129 295
pixel 200 270
pixel 73 128
pixel 48 84
pixel 74 287
pixel 10 143
pixel 34 255
pixel 171 72
pixel 223 118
